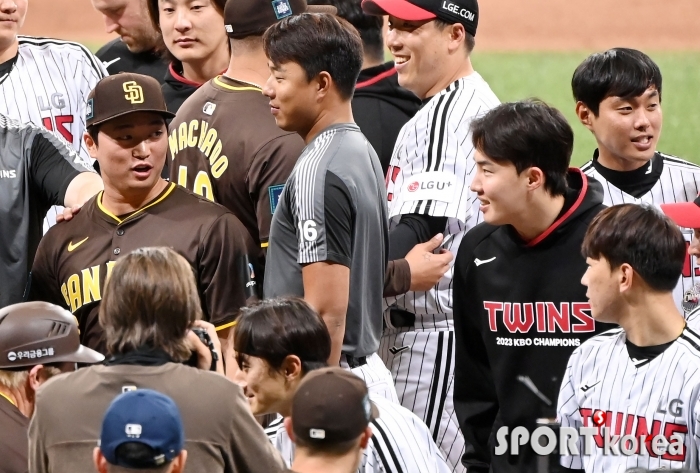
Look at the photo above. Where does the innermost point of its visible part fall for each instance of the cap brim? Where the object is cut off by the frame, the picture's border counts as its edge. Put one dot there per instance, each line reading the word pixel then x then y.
pixel 82 355
pixel 400 9
pixel 685 214
pixel 164 113
pixel 330 9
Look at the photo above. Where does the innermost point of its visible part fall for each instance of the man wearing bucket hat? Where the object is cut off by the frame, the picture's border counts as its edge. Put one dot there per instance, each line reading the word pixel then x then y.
pixel 126 133
pixel 37 341
pixel 141 430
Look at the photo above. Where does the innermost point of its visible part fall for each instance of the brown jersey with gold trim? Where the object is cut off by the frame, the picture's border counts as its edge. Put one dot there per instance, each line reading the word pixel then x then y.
pixel 75 257
pixel 226 146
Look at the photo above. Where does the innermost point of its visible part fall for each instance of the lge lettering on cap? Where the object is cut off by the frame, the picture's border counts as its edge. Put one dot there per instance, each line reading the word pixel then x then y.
pixel 457 10
pixel 134 92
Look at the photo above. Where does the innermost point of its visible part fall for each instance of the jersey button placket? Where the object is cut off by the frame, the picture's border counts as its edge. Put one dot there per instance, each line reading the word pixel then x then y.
pixel 119 232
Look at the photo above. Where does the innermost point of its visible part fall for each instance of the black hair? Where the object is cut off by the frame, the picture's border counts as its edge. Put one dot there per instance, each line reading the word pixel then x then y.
pixel 618 72
pixel 276 328
pixel 527 134
pixel 139 456
pixel 369 26
pixel 641 236
pixel 94 132
pixel 469 39
pixel 317 42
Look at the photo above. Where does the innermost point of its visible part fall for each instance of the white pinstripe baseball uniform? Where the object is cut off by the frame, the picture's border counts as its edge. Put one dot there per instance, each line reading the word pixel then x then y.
pixel 48 85
pixel 400 443
pixel 678 181
pixel 429 174
pixel 645 391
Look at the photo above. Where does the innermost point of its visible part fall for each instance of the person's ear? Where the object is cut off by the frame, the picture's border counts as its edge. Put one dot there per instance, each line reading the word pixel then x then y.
pixel 323 81
pixel 291 368
pixel 289 428
pixel 99 460
pixel 178 464
pixel 585 115
pixel 535 178
pixel 458 36
pixel 35 378
pixel 366 435
pixel 626 277
pixel 90 145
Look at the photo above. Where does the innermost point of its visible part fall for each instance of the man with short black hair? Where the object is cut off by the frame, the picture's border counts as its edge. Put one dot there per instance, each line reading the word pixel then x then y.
pixel 519 309
pixel 427 191
pixel 37 341
pixel 141 430
pixel 645 374
pixel 328 237
pixel 618 98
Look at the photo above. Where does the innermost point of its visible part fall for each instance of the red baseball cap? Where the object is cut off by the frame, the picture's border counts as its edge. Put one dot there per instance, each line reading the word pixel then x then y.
pixel 465 12
pixel 685 214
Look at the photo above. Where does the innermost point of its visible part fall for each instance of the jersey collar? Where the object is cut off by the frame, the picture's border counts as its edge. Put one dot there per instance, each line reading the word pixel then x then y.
pixel 113 218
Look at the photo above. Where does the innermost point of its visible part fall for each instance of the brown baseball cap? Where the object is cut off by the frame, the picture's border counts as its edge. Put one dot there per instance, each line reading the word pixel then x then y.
pixel 124 93
pixel 38 333
pixel 330 406
pixel 252 17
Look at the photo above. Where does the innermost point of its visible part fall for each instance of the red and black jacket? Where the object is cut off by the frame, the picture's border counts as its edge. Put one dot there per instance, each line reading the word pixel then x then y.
pixel 520 310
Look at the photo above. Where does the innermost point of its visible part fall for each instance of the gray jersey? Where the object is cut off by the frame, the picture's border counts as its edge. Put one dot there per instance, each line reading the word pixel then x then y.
pixel 36 167
pixel 333 208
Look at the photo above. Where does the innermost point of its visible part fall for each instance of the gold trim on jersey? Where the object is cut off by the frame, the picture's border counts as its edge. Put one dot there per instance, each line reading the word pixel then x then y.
pixel 8 399
pixel 218 82
pixel 135 212
pixel 225 326
pixel 264 245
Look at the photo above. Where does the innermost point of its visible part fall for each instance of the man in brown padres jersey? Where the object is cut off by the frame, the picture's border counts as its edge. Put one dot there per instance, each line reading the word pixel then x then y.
pixel 127 135
pixel 224 142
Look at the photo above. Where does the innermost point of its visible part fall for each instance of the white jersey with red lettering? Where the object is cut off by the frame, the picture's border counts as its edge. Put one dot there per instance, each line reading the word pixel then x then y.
pixel 48 85
pixel 638 394
pixel 679 181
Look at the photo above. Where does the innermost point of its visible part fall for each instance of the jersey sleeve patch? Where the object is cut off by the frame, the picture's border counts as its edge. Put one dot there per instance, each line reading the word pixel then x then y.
pixel 274 193
pixel 433 185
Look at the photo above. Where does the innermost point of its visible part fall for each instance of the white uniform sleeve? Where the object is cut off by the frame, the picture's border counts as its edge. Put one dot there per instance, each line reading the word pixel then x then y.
pixel 88 76
pixel 568 413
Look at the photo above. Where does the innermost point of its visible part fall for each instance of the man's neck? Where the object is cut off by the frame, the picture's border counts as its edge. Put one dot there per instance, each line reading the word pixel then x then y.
pixel 119 203
pixel 651 319
pixel 465 68
pixel 251 68
pixel 208 68
pixel 304 463
pixel 18 399
pixel 341 112
pixel 616 163
pixel 543 210
pixel 8 51
pixel 370 61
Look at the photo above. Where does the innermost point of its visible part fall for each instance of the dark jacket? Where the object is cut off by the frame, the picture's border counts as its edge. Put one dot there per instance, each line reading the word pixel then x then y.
pixel 519 310
pixel 381 107
pixel 116 57
pixel 177 89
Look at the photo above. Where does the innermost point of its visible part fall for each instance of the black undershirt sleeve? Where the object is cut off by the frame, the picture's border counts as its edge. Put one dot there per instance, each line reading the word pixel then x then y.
pixel 412 230
pixel 339 219
pixel 51 170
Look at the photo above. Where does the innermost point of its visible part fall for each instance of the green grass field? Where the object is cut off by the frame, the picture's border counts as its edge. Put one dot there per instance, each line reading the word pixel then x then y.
pixel 515 76
pixel 547 75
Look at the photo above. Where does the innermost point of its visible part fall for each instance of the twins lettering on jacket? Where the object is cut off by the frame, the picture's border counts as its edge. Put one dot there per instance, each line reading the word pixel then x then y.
pixel 544 317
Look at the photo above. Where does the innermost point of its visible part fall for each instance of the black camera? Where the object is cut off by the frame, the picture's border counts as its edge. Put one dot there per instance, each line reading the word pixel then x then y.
pixel 203 335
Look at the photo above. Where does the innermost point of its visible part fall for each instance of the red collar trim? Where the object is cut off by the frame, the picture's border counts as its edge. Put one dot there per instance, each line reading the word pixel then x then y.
pixel 376 78
pixel 568 213
pixel 180 78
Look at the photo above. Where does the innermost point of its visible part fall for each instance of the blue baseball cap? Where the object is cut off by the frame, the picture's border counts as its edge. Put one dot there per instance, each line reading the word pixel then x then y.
pixel 146 417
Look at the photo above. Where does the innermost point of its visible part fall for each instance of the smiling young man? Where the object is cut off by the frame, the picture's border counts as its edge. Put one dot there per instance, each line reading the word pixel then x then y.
pixel 427 188
pixel 328 236
pixel 193 32
pixel 128 137
pixel 644 375
pixel 278 344
pixel 519 308
pixel 139 47
pixel 618 98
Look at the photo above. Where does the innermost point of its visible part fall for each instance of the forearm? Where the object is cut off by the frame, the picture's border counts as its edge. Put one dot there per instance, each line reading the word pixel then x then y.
pixel 397 278
pixel 81 188
pixel 336 328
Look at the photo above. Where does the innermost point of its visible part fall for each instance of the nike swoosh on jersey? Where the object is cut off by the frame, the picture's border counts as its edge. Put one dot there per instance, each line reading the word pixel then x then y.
pixel 396 350
pixel 71 246
pixel 109 63
pixel 585 388
pixel 479 262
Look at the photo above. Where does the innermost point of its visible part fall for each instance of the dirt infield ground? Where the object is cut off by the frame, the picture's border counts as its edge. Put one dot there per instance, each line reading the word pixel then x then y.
pixel 513 25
